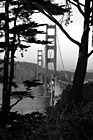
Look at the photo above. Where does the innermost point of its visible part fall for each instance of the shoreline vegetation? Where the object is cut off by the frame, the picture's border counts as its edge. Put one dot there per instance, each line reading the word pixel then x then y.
pixel 64 121
pixel 28 105
pixel 28 71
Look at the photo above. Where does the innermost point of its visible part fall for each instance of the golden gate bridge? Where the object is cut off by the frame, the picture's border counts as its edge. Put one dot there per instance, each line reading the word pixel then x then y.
pixel 52 86
pixel 55 86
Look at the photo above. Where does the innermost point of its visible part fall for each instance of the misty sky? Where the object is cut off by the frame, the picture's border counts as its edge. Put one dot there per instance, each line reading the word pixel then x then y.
pixel 69 50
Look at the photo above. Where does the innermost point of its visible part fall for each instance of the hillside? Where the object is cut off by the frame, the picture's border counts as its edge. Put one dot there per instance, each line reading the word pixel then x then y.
pixel 24 71
pixel 27 71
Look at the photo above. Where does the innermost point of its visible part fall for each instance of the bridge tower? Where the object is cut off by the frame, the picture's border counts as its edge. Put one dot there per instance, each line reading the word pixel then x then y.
pixel 39 64
pixel 50 47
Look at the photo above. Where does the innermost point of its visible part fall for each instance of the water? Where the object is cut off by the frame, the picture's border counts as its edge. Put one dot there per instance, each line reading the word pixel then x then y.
pixel 28 105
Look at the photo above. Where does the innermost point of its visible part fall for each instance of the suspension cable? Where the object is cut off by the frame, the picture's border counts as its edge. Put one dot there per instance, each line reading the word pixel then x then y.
pixel 50 56
pixel 61 55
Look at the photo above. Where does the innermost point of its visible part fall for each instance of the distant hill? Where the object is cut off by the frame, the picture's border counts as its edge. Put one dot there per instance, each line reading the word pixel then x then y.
pixel 24 71
pixel 89 76
pixel 28 71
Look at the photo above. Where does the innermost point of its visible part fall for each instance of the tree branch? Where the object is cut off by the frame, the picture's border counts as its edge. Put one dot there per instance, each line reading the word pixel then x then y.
pixel 15 103
pixel 49 15
pixel 77 4
pixel 89 54
pixel 62 29
pixel 79 8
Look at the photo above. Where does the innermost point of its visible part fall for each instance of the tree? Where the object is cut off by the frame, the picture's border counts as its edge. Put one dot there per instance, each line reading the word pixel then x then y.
pixel 83 55
pixel 26 31
pixel 5 95
pixel 80 71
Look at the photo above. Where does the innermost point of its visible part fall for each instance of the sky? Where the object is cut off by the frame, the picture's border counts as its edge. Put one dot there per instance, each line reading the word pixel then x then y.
pixel 69 50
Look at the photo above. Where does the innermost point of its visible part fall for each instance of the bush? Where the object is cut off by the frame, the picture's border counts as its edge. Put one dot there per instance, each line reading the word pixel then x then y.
pixel 65 121
pixel 60 122
pixel 22 127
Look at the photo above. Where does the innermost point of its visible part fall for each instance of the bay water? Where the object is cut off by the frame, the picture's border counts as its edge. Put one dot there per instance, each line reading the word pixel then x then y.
pixel 28 105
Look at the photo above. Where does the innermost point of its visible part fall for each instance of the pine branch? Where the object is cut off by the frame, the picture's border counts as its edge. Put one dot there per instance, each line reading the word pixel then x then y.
pixel 77 4
pixel 89 54
pixel 48 14
pixel 20 99
pixel 54 8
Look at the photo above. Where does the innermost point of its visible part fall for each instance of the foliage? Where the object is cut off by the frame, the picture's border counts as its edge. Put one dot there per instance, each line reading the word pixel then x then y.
pixel 76 124
pixel 87 92
pixel 69 122
pixel 22 127
pixel 22 30
pixel 60 9
pixel 18 128
pixel 28 84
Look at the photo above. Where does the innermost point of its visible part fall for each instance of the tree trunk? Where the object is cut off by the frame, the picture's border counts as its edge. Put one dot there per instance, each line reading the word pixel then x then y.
pixel 11 75
pixel 12 62
pixel 5 96
pixel 82 59
pixel 79 77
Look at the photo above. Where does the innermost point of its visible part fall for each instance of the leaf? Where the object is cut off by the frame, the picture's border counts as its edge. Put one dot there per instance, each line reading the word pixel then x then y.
pixel 30 84
pixel 1 69
pixel 2 45
pixel 53 8
pixel 1 51
pixel 23 46
pixel 2 16
pixel 14 85
pixel 21 94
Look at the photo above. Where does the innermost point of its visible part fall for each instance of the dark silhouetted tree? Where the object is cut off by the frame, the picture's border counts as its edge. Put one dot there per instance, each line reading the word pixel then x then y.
pixel 14 36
